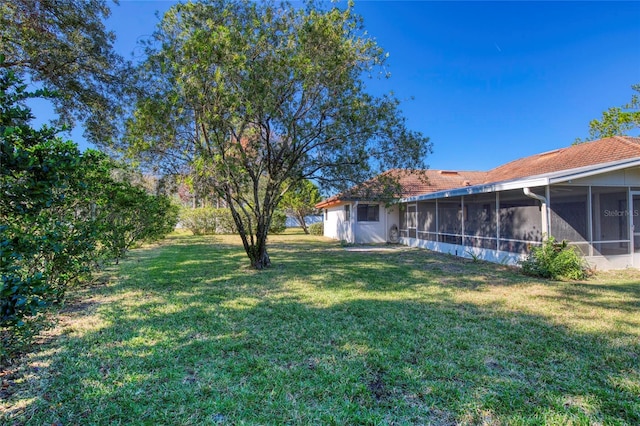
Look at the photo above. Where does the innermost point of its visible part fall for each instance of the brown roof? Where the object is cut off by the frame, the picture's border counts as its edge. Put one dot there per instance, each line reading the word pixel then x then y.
pixel 413 183
pixel 425 181
pixel 602 151
pixel 410 183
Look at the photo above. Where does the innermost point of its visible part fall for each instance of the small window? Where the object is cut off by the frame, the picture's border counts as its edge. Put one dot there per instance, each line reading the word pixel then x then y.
pixel 347 212
pixel 326 214
pixel 368 213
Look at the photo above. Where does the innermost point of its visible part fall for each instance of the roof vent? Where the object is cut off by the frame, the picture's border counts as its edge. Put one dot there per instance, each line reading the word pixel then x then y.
pixel 467 183
pixel 548 153
pixel 447 172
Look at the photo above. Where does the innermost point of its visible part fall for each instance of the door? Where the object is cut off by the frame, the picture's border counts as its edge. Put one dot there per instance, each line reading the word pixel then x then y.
pixel 635 227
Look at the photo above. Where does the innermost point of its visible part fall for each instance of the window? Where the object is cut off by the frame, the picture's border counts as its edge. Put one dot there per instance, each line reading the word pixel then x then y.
pixel 347 212
pixel 326 214
pixel 368 213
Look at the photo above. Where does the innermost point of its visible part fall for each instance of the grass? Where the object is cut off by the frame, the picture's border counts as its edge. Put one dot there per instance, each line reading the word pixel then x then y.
pixel 184 333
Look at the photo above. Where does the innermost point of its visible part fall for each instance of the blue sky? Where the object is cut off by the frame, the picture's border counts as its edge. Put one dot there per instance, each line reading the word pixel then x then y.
pixel 488 82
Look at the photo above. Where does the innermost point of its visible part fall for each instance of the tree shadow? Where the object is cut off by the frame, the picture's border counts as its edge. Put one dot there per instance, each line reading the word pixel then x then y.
pixel 207 342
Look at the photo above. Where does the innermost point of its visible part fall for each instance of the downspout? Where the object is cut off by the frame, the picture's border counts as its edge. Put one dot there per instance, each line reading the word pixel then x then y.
pixel 385 228
pixel 545 214
pixel 354 221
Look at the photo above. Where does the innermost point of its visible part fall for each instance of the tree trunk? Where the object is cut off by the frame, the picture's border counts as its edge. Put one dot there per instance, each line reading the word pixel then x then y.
pixel 254 245
pixel 302 223
pixel 258 252
pixel 260 259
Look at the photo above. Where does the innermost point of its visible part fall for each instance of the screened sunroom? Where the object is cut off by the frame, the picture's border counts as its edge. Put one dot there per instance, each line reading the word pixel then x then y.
pixel 497 226
pixel 602 222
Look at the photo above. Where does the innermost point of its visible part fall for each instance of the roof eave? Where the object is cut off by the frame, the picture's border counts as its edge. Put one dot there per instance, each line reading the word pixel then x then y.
pixel 530 182
pixel 584 172
pixel 327 203
pixel 480 189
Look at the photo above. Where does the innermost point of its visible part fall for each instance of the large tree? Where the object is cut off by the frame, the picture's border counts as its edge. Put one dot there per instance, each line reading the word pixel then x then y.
pixel 65 46
pixel 255 97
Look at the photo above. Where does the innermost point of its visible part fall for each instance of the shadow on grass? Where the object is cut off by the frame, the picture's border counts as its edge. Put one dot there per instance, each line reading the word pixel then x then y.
pixel 199 339
pixel 624 297
pixel 392 271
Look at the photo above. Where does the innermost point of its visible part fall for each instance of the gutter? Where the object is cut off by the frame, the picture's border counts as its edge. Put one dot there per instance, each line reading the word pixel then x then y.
pixel 544 210
pixel 531 181
pixel 478 189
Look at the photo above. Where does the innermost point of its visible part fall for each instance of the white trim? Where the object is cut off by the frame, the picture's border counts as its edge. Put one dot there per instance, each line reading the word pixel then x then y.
pixel 584 172
pixel 590 220
pixel 354 222
pixel 532 181
pixel 635 258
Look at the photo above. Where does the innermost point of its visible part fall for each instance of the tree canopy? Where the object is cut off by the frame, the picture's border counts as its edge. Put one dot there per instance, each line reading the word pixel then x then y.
pixel 65 46
pixel 300 201
pixel 618 120
pixel 256 97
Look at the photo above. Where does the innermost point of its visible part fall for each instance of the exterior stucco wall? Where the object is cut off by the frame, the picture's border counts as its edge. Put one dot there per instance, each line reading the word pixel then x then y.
pixel 376 232
pixel 335 225
pixel 360 232
pixel 603 263
pixel 496 256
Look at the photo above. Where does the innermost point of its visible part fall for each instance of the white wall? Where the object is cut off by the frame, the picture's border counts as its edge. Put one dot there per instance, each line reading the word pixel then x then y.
pixel 495 256
pixel 336 227
pixel 603 263
pixel 376 232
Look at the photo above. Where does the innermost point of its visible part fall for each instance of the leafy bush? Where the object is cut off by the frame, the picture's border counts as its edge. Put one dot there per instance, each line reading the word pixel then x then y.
pixel 200 221
pixel 555 260
pixel 62 213
pixel 278 222
pixel 316 228
pixel 130 216
pixel 224 222
pixel 208 221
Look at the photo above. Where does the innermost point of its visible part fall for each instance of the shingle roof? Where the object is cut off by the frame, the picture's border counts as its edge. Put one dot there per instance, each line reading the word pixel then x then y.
pixel 410 183
pixel 419 182
pixel 602 151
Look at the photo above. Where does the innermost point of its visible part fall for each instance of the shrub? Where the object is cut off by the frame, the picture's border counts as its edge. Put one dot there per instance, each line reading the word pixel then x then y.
pixel 208 221
pixel 224 222
pixel 61 212
pixel 130 216
pixel 200 221
pixel 316 228
pixel 278 222
pixel 555 260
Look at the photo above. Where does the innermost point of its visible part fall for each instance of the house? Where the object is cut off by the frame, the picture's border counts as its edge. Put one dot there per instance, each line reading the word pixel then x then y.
pixel 587 194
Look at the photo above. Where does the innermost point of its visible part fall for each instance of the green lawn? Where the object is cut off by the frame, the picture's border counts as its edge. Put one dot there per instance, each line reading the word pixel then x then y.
pixel 184 333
